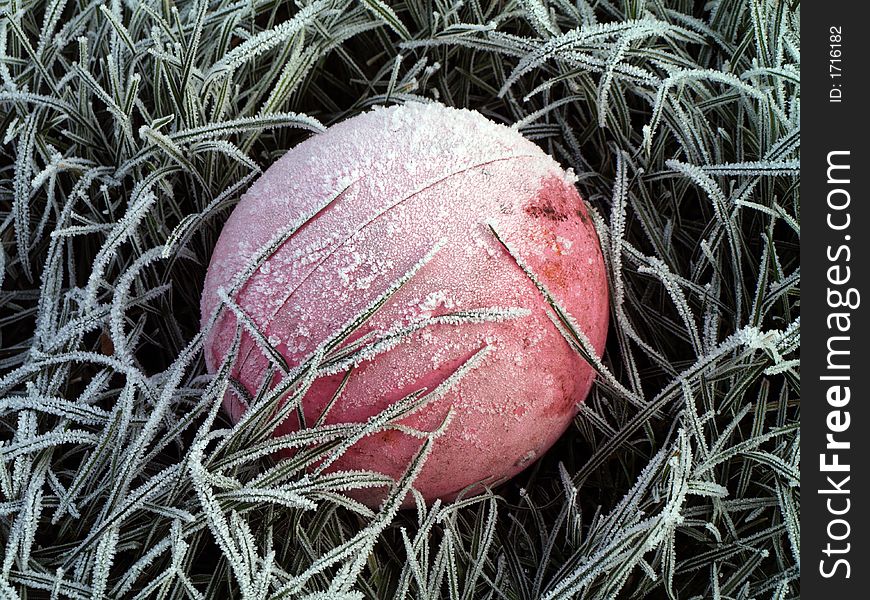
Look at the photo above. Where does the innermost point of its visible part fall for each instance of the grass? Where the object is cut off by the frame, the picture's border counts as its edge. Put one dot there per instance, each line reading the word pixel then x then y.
pixel 131 128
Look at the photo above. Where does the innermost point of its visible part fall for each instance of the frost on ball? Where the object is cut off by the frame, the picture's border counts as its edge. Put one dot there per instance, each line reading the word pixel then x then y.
pixel 373 196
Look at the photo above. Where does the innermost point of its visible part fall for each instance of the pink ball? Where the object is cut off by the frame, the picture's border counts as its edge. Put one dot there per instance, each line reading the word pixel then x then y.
pixel 385 188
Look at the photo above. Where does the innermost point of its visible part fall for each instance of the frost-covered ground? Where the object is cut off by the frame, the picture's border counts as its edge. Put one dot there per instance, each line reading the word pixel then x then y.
pixel 129 130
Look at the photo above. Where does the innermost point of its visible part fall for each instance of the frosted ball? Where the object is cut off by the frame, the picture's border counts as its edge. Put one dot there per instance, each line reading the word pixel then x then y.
pixel 383 189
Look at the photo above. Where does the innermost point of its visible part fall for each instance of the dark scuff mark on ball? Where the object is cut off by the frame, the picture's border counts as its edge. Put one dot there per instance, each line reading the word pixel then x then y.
pixel 565 398
pixel 550 201
pixel 547 211
pixel 554 272
pixel 390 437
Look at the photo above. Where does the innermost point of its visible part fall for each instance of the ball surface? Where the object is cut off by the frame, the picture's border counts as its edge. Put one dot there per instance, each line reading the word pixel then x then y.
pixel 374 195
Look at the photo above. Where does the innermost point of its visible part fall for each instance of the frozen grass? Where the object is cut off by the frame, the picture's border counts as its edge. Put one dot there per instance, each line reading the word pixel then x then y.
pixel 129 130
